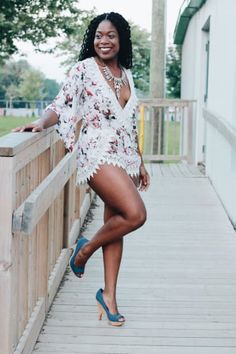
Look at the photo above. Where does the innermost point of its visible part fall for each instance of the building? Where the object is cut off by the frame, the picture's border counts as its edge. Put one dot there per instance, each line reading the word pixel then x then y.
pixel 206 29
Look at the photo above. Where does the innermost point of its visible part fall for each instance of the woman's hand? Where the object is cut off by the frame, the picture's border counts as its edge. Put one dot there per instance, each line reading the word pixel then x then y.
pixel 32 127
pixel 144 178
pixel 49 119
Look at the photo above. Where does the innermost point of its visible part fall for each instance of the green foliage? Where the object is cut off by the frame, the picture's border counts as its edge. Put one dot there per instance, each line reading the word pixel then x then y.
pixel 51 88
pixel 12 91
pixel 173 72
pixel 35 21
pixel 20 80
pixel 31 87
pixel 70 46
pixel 11 75
pixel 141 57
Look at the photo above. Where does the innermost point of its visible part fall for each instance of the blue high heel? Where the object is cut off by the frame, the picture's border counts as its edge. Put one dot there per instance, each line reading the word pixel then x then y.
pixel 114 320
pixel 78 271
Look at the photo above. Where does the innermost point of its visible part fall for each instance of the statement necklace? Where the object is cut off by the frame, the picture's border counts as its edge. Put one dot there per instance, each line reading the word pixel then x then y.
pixel 118 81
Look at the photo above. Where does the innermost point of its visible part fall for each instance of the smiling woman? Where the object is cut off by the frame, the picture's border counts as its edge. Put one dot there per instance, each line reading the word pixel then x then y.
pixel 100 91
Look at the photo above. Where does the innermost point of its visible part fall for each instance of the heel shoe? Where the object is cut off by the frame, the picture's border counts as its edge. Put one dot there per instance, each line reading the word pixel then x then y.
pixel 114 320
pixel 78 271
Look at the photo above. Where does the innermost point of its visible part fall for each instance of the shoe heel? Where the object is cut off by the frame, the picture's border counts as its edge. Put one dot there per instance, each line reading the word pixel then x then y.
pixel 100 311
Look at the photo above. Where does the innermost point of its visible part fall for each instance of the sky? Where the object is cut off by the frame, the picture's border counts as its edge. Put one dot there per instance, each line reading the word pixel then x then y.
pixel 139 12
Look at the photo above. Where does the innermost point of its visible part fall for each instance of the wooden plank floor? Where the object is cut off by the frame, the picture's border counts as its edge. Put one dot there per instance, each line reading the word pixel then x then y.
pixel 177 285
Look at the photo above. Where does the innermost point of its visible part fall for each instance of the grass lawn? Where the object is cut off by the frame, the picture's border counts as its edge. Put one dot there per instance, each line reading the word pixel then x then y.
pixel 7 123
pixel 173 137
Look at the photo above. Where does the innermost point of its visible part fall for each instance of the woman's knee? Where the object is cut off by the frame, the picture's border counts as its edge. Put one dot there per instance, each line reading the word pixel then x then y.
pixel 137 217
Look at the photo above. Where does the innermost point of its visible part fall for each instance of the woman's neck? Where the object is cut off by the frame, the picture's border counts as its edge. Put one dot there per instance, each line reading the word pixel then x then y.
pixel 112 63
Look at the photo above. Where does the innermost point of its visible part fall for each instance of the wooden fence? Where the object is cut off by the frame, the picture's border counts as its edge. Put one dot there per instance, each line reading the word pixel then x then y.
pixel 166 129
pixel 41 212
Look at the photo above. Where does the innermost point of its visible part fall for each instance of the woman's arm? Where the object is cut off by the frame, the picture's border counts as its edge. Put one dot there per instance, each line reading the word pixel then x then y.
pixel 48 119
pixel 144 177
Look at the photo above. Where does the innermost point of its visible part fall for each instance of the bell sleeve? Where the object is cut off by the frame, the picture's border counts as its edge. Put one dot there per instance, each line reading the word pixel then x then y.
pixel 66 106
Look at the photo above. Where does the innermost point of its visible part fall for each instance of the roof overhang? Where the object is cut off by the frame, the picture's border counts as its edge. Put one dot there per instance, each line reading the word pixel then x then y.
pixel 187 10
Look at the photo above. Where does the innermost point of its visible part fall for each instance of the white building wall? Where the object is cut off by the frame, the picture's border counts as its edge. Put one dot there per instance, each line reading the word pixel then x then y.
pixel 220 153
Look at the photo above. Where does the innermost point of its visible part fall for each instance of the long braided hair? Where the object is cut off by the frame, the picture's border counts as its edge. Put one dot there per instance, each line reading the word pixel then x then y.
pixel 123 29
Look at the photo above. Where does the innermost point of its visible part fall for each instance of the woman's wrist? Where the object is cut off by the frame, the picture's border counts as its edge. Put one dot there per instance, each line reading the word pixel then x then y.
pixel 142 163
pixel 49 119
pixel 41 124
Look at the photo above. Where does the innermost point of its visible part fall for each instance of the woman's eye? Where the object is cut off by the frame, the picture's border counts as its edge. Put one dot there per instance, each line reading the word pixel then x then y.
pixel 97 36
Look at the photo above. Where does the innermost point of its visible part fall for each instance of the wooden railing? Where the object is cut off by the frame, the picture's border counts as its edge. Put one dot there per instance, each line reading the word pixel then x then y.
pixel 41 212
pixel 166 129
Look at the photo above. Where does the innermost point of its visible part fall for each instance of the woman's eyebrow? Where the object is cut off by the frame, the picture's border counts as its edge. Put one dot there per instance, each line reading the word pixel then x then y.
pixel 107 32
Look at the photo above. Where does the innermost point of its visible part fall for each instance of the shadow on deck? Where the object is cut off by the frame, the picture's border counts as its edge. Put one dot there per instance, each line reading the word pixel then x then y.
pixel 177 282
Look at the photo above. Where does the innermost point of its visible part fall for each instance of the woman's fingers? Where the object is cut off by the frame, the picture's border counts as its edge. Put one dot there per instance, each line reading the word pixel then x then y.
pixel 38 128
pixel 144 179
pixel 28 128
pixel 17 129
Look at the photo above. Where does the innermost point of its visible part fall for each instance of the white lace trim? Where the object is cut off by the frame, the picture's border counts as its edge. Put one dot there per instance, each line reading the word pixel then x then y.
pixel 84 176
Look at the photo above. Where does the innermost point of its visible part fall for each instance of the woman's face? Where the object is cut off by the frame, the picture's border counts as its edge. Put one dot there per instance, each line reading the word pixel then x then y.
pixel 106 41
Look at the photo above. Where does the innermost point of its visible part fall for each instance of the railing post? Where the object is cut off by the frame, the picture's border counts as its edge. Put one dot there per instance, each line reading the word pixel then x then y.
pixel 7 308
pixel 190 134
pixel 141 129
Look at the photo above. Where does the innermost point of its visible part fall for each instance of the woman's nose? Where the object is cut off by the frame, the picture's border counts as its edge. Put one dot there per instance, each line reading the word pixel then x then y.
pixel 104 39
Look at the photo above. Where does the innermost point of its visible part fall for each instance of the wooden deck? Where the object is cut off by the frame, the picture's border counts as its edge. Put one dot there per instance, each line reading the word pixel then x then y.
pixel 177 285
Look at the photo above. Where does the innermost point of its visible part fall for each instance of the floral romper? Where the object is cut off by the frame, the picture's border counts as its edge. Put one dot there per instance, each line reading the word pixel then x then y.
pixel 108 132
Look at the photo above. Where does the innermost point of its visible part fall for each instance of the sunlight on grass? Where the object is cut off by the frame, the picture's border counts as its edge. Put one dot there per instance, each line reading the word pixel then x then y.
pixel 173 137
pixel 7 123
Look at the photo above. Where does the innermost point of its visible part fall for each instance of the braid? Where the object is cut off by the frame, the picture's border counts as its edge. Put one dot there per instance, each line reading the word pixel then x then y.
pixel 123 29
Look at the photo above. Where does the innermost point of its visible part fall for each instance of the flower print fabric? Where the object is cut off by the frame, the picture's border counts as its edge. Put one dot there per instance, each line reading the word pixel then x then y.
pixel 108 132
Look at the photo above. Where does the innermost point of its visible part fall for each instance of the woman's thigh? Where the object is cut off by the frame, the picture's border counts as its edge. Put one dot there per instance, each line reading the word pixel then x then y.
pixel 117 190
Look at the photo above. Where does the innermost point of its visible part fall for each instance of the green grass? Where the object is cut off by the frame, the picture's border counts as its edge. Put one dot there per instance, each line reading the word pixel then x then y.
pixel 7 123
pixel 173 138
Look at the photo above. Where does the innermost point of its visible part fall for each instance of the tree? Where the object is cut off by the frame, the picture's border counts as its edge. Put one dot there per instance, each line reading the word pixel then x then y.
pixel 50 89
pixel 35 21
pixel 70 46
pixel 31 87
pixel 12 92
pixel 11 75
pixel 173 71
pixel 141 57
pixel 18 79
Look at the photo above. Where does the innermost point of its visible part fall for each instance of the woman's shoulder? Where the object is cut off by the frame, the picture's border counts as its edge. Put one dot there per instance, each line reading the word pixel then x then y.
pixel 129 75
pixel 81 67
pixel 83 64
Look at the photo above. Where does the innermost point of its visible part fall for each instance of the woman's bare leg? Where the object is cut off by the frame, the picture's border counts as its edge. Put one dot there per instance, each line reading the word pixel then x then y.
pixel 117 190
pixel 112 254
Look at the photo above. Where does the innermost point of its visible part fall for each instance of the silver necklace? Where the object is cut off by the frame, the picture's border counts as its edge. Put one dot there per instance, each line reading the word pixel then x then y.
pixel 118 81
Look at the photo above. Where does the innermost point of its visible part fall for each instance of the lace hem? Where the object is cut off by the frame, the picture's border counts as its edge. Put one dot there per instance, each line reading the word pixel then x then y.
pixel 131 169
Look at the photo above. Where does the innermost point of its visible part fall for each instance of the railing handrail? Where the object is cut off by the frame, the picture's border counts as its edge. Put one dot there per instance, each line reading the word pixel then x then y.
pixel 222 126
pixel 165 102
pixel 26 217
pixel 13 143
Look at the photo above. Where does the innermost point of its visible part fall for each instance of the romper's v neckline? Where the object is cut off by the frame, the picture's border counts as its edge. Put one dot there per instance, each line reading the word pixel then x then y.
pixel 104 81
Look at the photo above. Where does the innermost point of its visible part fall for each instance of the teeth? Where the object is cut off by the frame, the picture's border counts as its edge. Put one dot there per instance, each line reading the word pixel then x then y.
pixel 105 50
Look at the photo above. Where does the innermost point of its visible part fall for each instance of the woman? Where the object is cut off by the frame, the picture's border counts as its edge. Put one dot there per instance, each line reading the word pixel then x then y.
pixel 100 91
